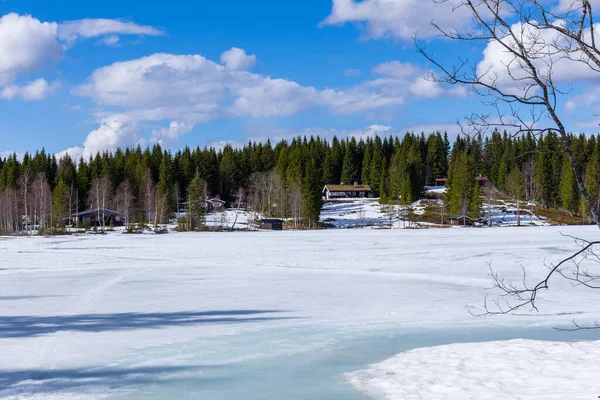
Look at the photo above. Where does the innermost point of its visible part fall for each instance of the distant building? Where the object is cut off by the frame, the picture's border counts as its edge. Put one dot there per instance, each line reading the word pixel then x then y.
pixel 440 181
pixel 215 205
pixel 462 220
pixel 94 217
pixel 346 191
pixel 273 224
pixel 482 180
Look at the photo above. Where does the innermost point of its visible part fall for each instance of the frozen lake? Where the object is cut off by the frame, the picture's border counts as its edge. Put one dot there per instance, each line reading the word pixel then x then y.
pixel 257 315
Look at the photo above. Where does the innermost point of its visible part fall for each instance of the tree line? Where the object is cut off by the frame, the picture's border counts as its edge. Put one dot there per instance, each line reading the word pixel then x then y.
pixel 286 179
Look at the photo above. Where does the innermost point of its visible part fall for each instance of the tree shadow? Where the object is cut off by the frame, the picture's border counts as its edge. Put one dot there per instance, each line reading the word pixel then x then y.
pixel 31 326
pixel 27 382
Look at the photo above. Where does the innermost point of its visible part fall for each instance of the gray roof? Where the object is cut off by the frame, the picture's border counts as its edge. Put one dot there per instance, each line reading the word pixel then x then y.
pixel 98 210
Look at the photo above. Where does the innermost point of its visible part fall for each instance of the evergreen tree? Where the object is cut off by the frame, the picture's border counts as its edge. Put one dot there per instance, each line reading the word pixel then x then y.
pixel 311 195
pixel 351 164
pixel 569 194
pixel 60 204
pixel 197 202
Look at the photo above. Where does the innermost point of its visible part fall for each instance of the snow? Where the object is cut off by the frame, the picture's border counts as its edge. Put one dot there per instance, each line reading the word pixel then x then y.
pixel 367 213
pixel 505 213
pixel 246 314
pixel 516 369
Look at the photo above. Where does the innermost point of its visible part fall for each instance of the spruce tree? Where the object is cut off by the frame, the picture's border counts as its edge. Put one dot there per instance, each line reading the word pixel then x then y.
pixel 197 202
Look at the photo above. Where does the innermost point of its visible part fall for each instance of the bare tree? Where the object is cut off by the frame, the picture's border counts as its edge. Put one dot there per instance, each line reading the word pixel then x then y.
pixel 537 43
pixel 124 199
pixel 240 197
pixel 524 89
pixel 100 198
pixel 148 194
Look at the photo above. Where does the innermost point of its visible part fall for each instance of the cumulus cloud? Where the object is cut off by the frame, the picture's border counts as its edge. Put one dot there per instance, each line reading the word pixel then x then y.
pixel 396 69
pixel 574 5
pixel 114 131
pixel 236 59
pixel 70 31
pixel 184 90
pixel 398 19
pixel 171 133
pixel 36 90
pixel 26 45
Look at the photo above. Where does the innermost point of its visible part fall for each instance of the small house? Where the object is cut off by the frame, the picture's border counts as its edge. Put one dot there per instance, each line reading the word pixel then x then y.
pixel 482 180
pixel 215 205
pixel 272 224
pixel 440 182
pixel 100 217
pixel 331 192
pixel 461 220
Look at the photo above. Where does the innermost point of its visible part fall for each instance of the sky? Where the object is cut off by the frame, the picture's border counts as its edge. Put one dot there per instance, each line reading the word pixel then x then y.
pixel 84 77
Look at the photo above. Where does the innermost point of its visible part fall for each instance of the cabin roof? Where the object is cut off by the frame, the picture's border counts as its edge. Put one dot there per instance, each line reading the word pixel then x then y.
pixel 348 188
pixel 97 210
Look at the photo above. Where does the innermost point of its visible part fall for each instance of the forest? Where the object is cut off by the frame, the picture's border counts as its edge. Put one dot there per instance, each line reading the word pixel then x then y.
pixel 286 180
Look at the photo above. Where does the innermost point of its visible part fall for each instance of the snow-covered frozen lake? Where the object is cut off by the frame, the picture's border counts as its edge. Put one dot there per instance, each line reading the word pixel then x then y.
pixel 256 315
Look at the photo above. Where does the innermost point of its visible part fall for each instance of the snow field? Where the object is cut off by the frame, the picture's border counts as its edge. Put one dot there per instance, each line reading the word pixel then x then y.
pixel 147 316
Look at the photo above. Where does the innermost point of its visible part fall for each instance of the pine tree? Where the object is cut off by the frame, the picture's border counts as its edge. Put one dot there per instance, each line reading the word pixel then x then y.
pixel 460 185
pixel 351 165
pixel 568 187
pixel 197 202
pixel 515 187
pixel 60 205
pixel 311 195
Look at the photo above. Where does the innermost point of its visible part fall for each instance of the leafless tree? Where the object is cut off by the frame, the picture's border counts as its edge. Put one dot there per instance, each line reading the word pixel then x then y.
pixel 538 45
pixel 240 198
pixel 100 198
pixel 124 199
pixel 148 194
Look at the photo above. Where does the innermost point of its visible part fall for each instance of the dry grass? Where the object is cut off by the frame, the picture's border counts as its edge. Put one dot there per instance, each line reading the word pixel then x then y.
pixel 558 217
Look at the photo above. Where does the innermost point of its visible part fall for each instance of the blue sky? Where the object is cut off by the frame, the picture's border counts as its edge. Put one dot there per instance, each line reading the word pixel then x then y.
pixel 118 74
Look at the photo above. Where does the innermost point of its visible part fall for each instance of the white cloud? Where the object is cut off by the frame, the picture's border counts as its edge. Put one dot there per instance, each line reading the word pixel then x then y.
pixel 33 91
pixel 574 5
pixel 399 19
pixel 236 59
pixel 114 131
pixel 26 45
pixel 70 31
pixel 111 41
pixel 74 152
pixel 171 134
pixel 396 69
pixel 184 90
pixel 7 154
pixel 501 68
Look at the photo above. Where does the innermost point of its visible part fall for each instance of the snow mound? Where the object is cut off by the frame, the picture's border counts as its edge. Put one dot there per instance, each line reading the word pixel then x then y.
pixel 517 369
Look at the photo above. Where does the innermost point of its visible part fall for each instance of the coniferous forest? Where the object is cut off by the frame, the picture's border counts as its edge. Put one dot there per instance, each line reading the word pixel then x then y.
pixel 286 180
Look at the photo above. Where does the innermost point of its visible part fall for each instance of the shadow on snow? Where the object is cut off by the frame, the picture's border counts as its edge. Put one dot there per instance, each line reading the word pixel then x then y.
pixel 30 326
pixel 46 381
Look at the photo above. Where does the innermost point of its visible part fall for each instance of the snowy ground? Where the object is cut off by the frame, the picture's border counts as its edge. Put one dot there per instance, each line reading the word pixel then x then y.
pixel 367 213
pixel 258 315
pixel 516 369
pixel 506 213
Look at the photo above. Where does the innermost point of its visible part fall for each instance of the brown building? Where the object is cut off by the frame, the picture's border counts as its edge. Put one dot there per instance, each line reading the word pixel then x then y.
pixel 272 224
pixel 346 191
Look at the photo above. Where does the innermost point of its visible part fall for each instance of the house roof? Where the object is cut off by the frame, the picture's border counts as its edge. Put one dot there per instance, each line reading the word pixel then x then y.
pixel 348 188
pixel 441 179
pixel 215 200
pixel 96 210
pixel 481 178
pixel 460 217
